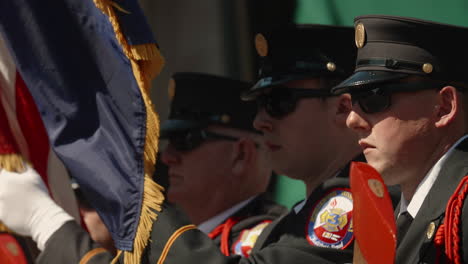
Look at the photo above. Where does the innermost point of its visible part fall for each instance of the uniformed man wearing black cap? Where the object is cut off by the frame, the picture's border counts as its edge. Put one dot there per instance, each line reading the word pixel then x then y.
pixel 300 66
pixel 304 124
pixel 410 109
pixel 217 169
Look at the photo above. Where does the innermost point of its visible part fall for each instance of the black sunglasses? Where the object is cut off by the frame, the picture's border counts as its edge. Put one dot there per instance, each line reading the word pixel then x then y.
pixel 190 139
pixel 375 99
pixel 281 101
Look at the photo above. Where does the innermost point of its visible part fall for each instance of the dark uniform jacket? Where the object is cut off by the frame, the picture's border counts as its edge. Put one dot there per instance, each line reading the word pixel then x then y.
pixel 319 233
pixel 417 246
pixel 257 214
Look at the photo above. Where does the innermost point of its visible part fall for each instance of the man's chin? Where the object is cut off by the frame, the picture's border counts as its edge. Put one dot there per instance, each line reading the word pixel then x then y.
pixel 385 172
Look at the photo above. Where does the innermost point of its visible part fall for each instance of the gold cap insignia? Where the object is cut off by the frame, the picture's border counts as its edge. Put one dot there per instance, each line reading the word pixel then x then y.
pixel 261 45
pixel 171 89
pixel 427 68
pixel 430 230
pixel 331 66
pixel 376 187
pixel 360 35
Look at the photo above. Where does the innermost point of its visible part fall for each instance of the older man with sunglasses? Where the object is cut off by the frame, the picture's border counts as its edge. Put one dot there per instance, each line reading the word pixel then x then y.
pixel 304 129
pixel 410 109
pixel 218 172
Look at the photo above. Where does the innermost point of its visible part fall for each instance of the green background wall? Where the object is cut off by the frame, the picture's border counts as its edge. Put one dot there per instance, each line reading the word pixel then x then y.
pixel 342 12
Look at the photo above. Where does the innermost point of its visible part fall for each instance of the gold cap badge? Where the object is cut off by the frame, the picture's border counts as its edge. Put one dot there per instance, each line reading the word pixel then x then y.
pixel 427 68
pixel 360 35
pixel 261 45
pixel 171 89
pixel 376 187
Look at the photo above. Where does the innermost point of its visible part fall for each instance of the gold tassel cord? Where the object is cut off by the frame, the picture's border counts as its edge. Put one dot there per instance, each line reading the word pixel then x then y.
pixel 146 63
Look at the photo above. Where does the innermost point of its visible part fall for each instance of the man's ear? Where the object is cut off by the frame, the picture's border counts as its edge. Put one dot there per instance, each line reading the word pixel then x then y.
pixel 343 108
pixel 243 156
pixel 448 106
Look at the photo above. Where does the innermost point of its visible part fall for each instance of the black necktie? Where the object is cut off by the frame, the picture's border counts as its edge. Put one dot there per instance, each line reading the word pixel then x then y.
pixel 403 222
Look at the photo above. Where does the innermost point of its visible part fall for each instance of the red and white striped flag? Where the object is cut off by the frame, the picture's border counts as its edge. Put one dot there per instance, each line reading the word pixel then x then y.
pixel 27 134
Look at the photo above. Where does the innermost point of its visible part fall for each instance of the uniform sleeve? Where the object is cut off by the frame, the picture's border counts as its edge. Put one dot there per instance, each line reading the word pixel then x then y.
pixel 71 244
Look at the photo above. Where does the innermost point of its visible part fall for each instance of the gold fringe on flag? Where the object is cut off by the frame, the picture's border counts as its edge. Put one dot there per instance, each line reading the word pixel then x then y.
pixel 146 62
pixel 14 163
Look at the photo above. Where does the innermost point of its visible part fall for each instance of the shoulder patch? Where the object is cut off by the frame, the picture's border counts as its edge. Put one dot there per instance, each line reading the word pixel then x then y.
pixel 330 223
pixel 243 246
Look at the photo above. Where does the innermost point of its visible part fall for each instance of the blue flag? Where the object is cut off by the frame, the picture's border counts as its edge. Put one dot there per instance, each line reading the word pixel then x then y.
pixel 88 65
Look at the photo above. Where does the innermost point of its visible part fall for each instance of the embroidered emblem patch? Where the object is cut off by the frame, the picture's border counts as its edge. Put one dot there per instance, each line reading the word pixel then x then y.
pixel 243 246
pixel 331 221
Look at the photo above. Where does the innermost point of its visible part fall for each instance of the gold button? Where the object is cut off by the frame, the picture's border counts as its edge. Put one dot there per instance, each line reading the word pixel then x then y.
pixel 427 68
pixel 225 118
pixel 261 45
pixel 331 66
pixel 430 230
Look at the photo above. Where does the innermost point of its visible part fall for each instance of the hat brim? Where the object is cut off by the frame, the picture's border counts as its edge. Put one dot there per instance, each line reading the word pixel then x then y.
pixel 177 125
pixel 362 79
pixel 269 82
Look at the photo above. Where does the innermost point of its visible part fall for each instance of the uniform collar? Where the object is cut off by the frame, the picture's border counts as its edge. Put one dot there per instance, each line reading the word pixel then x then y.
pixel 425 185
pixel 210 224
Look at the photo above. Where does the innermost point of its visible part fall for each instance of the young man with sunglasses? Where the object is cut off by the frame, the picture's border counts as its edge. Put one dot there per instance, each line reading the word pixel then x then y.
pixel 304 129
pixel 410 109
pixel 218 172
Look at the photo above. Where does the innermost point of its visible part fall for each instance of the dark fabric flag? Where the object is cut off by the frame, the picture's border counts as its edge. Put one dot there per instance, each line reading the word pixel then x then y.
pixel 88 66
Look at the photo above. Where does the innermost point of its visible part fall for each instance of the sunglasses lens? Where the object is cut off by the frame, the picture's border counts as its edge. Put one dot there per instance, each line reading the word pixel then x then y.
pixel 374 101
pixel 277 103
pixel 185 141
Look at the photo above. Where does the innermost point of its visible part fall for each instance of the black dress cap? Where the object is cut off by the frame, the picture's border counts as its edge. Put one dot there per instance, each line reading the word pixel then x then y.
pixel 298 52
pixel 199 100
pixel 391 48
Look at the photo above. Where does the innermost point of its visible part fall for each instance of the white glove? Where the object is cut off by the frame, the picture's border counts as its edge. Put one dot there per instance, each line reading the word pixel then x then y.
pixel 26 207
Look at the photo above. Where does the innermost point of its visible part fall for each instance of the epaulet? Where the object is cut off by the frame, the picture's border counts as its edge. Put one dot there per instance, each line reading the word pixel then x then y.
pixel 330 223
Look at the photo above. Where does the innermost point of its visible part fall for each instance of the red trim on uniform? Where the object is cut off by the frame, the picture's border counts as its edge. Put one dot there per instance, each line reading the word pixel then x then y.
pixel 449 232
pixel 224 230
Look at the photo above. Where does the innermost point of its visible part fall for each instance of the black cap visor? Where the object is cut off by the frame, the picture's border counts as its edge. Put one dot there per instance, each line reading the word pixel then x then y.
pixel 269 82
pixel 172 126
pixel 362 79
